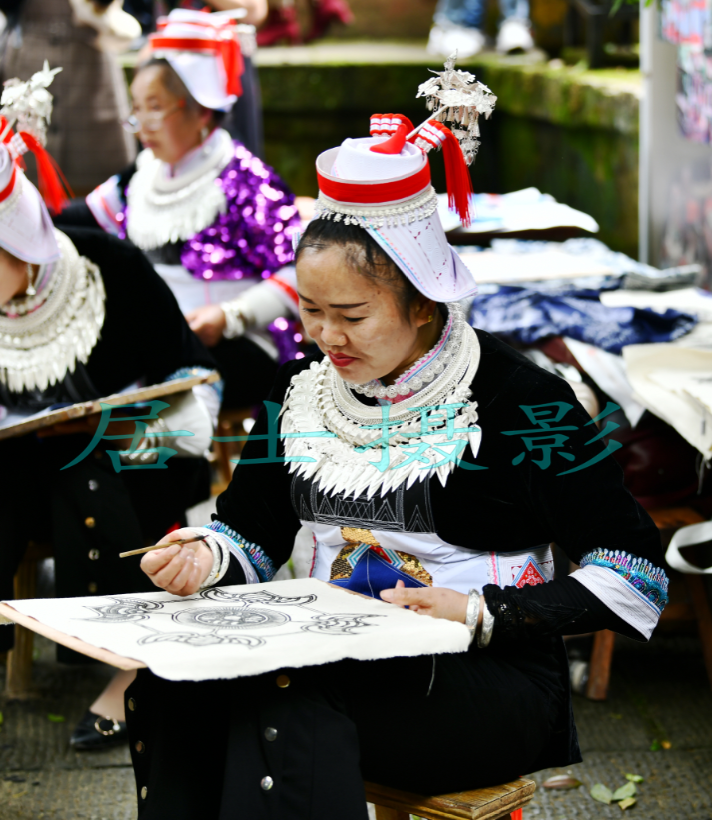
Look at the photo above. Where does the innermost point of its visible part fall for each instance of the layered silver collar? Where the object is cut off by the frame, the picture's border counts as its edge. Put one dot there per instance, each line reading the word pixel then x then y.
pixel 173 204
pixel 43 338
pixel 347 448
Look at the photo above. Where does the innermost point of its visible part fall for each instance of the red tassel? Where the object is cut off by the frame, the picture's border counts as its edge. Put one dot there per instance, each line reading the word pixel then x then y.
pixel 457 175
pixel 52 182
pixel 517 814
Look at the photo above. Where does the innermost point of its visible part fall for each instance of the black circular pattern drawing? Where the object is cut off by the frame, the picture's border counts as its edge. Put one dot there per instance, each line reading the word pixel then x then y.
pixel 234 617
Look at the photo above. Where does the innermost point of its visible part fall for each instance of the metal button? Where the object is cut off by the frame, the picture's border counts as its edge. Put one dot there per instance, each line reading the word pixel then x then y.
pixel 132 705
pixel 144 793
pixel 92 587
pixel 271 733
pixel 267 783
pixel 140 747
pixel 93 555
pixel 93 485
pixel 89 522
pixel 283 681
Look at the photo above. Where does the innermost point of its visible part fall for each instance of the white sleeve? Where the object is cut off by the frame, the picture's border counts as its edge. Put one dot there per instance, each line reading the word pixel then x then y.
pixel 187 412
pixel 261 304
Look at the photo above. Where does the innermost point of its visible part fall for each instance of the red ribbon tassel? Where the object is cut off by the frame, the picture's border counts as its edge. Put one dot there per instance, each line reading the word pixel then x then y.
pixel 457 174
pixel 232 61
pixel 52 182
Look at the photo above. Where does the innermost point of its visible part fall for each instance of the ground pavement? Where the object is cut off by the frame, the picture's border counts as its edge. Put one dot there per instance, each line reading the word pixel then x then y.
pixel 659 695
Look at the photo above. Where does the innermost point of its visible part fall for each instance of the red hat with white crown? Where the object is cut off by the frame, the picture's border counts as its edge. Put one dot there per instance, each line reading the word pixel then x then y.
pixel 382 182
pixel 204 51
pixel 26 229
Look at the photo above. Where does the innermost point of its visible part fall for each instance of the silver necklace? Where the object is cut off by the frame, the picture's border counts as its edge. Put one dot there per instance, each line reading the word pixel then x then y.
pixel 406 383
pixel 37 348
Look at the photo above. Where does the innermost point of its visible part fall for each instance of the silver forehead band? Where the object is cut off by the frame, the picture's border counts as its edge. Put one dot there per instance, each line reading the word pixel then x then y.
pixel 415 209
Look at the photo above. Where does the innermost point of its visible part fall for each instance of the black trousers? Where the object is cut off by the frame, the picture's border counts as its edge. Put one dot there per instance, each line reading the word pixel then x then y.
pixel 90 512
pixel 430 725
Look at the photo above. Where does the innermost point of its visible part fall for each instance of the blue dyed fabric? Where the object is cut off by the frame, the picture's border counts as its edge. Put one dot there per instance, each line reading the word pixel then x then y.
pixel 373 574
pixel 526 315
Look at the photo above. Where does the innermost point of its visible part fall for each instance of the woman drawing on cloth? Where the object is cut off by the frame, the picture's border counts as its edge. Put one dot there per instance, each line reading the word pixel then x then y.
pixel 214 220
pixel 421 489
pixel 72 329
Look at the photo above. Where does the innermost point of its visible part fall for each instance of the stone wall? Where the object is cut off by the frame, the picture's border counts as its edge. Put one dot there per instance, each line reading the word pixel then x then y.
pixel 570 133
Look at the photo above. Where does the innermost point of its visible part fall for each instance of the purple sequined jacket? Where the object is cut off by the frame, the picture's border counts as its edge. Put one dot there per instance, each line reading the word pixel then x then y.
pixel 253 238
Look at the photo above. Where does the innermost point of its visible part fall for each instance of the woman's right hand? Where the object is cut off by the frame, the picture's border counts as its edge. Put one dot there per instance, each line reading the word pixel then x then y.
pixel 178 569
pixel 208 323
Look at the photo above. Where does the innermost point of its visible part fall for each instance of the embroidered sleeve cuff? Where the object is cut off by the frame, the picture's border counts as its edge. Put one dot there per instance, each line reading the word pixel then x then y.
pixel 257 565
pixel 631 587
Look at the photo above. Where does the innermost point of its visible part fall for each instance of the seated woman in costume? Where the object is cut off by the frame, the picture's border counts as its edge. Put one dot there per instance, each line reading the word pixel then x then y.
pixel 449 508
pixel 214 220
pixel 82 316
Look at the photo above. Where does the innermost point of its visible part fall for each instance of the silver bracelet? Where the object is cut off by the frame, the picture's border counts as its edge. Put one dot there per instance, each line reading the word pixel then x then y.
pixel 237 318
pixel 473 611
pixel 485 635
pixel 221 559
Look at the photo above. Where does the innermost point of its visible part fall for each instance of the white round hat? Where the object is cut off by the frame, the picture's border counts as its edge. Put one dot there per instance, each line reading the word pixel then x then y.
pixel 204 51
pixel 382 183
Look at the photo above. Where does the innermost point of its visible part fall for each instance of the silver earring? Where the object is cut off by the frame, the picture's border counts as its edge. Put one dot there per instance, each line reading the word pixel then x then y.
pixel 204 134
pixel 30 290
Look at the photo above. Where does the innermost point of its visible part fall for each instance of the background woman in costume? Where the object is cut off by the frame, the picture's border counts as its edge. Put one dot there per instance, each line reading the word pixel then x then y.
pixel 215 221
pixel 243 121
pixel 446 509
pixel 85 136
pixel 97 286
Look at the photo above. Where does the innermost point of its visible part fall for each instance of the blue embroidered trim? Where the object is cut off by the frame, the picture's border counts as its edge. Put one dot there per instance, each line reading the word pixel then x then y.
pixel 261 562
pixel 650 581
pixel 188 372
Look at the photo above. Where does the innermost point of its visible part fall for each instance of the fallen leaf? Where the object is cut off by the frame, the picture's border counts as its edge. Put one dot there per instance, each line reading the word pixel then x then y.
pixel 616 716
pixel 19 794
pixel 561 781
pixel 55 718
pixel 625 791
pixel 635 778
pixel 666 744
pixel 601 793
pixel 627 803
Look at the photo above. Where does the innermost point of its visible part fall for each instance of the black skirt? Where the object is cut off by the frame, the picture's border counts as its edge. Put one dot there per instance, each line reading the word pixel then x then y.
pixel 298 744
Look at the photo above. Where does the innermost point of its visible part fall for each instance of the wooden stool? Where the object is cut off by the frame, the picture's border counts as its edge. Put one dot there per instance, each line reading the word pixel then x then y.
pixel 19 660
pixel 494 803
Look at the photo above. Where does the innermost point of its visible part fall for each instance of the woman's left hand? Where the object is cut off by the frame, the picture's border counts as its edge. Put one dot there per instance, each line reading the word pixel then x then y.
pixel 434 601
pixel 208 323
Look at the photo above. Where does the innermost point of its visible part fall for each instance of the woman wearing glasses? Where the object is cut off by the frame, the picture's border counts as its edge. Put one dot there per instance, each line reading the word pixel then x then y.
pixel 214 220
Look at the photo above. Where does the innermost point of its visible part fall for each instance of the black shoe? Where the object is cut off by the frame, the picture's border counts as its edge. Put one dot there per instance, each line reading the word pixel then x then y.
pixel 94 733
